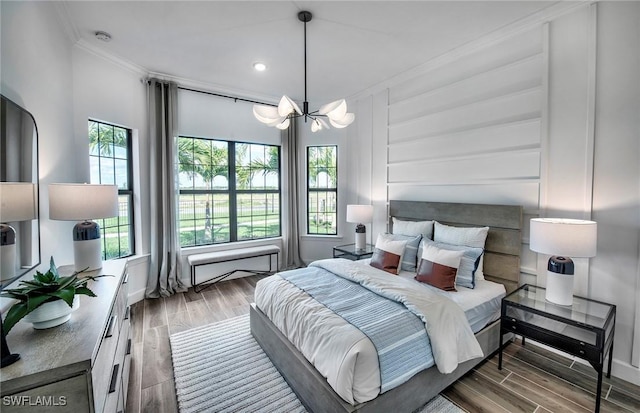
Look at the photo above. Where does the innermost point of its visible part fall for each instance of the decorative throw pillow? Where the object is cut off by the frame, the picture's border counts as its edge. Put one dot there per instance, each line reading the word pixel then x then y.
pixel 438 267
pixel 410 256
pixel 468 263
pixel 468 236
pixel 387 254
pixel 412 228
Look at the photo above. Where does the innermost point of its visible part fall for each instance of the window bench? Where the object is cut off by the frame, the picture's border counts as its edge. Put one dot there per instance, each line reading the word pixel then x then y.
pixel 196 260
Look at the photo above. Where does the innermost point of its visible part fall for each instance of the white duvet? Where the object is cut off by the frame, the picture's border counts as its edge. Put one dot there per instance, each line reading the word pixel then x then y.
pixel 341 352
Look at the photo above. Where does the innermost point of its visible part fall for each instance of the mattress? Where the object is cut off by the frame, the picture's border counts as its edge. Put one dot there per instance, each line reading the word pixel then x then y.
pixel 338 350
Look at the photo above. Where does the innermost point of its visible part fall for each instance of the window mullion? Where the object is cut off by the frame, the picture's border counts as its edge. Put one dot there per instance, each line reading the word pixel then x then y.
pixel 233 195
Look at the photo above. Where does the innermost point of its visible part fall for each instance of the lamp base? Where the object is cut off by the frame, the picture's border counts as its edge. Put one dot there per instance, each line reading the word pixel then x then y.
pixel 560 281
pixel 7 262
pixel 361 237
pixel 87 252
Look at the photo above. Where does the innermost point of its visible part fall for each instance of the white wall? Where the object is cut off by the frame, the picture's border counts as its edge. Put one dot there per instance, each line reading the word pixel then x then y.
pixel 616 192
pixel 37 72
pixel 63 85
pixel 113 92
pixel 544 115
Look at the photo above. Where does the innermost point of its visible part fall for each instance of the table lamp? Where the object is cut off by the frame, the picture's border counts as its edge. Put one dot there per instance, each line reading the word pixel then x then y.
pixel 562 239
pixel 82 203
pixel 360 214
pixel 17 203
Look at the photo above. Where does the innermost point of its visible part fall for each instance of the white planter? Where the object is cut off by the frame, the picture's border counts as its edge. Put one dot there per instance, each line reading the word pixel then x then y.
pixel 52 314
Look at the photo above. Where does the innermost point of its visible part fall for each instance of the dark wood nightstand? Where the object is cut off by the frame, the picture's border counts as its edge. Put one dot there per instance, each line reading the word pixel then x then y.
pixel 584 329
pixel 350 252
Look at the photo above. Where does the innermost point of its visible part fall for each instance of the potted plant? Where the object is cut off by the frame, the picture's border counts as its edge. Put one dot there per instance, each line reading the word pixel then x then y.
pixel 48 299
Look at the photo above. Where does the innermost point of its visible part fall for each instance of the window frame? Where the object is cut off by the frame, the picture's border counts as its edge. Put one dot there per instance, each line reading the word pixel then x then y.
pixel 232 191
pixel 129 192
pixel 309 190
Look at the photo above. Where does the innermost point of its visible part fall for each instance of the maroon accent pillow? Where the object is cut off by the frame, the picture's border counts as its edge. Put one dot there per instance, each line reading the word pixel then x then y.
pixel 385 260
pixel 438 275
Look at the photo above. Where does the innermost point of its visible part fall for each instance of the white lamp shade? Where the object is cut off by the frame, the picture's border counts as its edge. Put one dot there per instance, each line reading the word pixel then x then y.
pixel 564 237
pixel 77 202
pixel 17 201
pixel 359 214
pixel 334 110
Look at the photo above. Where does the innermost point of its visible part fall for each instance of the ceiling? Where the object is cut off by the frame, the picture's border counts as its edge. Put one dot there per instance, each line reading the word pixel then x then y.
pixel 352 45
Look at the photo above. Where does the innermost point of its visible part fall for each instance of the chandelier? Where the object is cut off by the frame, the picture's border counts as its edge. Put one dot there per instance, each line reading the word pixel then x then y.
pixel 335 112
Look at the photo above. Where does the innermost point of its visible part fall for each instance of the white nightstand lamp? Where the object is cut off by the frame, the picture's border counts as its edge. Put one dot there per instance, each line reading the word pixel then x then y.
pixel 563 239
pixel 360 214
pixel 83 202
pixel 17 203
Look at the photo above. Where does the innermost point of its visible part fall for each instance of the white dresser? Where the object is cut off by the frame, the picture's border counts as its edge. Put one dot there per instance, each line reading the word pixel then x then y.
pixel 80 366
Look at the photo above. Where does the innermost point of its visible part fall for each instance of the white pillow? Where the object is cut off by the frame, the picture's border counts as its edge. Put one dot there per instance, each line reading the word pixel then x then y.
pixel 413 228
pixel 442 256
pixel 439 267
pixel 470 237
pixel 410 255
pixel 388 253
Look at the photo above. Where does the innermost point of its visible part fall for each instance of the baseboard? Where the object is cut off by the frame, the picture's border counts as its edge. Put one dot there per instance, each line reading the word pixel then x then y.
pixel 625 371
pixel 136 296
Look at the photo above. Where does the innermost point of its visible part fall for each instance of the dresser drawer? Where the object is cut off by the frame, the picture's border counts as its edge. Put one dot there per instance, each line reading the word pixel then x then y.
pixel 104 361
pixel 118 370
pixel 65 395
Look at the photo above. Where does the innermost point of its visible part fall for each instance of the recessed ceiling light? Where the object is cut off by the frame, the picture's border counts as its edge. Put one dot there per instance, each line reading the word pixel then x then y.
pixel 104 36
pixel 259 66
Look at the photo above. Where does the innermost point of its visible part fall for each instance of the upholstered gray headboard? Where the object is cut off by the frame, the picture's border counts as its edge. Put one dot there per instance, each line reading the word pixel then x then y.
pixel 504 241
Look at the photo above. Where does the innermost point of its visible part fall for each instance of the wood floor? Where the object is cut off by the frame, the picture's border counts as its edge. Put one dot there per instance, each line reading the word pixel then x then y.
pixel 532 379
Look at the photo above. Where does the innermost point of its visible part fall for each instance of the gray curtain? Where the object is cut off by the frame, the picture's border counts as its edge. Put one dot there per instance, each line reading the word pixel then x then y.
pixel 291 239
pixel 164 268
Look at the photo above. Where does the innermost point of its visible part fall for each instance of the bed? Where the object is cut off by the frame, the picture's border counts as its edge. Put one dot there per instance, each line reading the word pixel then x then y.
pixel 501 265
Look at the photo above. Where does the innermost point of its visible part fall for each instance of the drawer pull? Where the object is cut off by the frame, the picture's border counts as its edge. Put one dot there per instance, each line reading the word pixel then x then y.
pixel 581 351
pixel 582 343
pixel 114 378
pixel 126 278
pixel 513 319
pixel 513 327
pixel 111 326
pixel 127 313
pixel 128 347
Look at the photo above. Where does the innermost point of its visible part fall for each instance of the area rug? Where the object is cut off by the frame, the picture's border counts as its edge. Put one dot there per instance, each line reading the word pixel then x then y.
pixel 221 368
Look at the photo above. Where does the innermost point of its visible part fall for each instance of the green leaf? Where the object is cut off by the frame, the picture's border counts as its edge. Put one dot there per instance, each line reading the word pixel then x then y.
pixel 65 294
pixel 52 268
pixel 35 302
pixel 85 291
pixel 15 314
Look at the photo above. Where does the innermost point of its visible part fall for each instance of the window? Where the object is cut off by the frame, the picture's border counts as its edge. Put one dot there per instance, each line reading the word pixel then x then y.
pixel 229 191
pixel 322 190
pixel 111 164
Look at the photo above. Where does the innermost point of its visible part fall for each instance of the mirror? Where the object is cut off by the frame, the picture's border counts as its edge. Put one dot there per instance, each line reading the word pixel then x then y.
pixel 19 224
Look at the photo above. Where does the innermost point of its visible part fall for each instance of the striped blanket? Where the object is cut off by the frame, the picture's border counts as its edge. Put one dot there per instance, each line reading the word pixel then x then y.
pixel 452 341
pixel 398 335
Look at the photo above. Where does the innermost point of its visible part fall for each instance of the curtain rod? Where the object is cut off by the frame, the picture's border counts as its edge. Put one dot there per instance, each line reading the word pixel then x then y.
pixel 235 98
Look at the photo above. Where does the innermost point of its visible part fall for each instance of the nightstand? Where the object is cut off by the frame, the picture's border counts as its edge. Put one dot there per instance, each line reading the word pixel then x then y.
pixel 584 329
pixel 350 252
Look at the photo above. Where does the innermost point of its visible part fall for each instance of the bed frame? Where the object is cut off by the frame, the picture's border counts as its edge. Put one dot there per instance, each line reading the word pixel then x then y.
pixel 501 264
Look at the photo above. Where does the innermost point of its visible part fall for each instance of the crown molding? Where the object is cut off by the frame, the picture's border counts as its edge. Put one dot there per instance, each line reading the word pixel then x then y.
pixel 70 29
pixel 512 29
pixel 118 61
